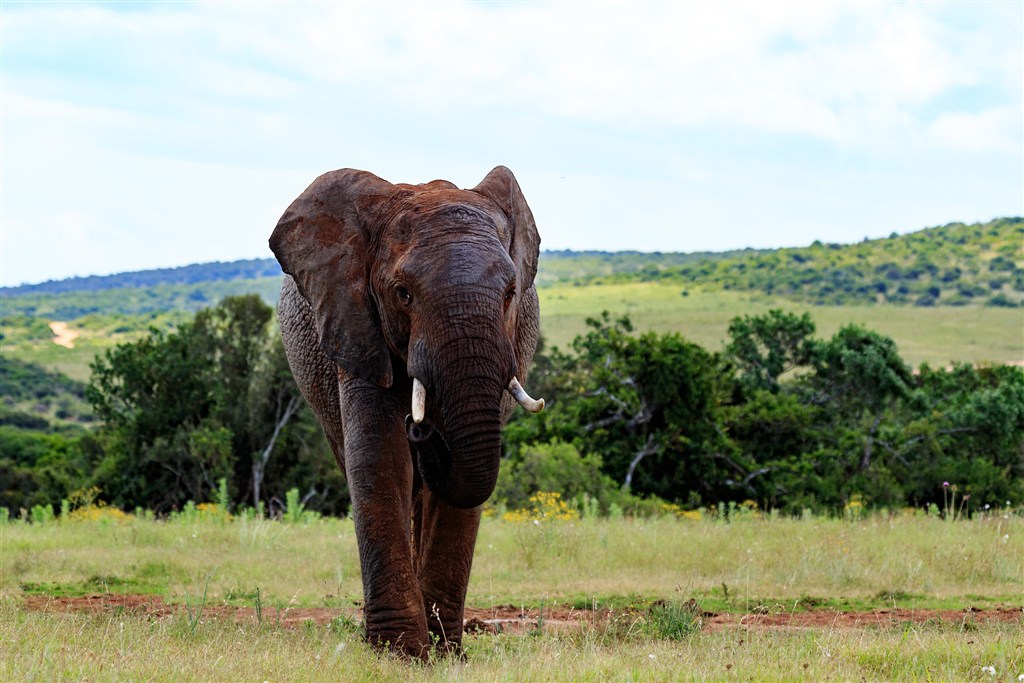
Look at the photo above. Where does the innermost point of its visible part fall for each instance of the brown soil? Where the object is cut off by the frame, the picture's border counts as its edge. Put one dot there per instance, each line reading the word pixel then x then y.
pixel 511 619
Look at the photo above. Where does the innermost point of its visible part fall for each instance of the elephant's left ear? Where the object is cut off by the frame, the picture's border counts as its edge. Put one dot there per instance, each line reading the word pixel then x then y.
pixel 501 187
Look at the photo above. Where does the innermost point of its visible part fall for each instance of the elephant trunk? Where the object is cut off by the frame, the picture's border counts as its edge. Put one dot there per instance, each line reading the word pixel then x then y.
pixel 460 466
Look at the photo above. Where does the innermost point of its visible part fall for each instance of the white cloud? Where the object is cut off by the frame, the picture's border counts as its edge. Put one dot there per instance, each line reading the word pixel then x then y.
pixel 182 131
pixel 990 130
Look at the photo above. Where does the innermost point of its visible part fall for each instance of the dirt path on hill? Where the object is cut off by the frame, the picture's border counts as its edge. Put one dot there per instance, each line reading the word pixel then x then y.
pixel 62 336
pixel 516 620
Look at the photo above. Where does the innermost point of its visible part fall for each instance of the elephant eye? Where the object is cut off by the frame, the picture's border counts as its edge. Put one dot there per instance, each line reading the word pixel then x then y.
pixel 403 295
pixel 510 294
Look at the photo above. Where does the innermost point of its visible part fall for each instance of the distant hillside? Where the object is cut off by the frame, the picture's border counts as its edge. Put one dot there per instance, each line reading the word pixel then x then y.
pixel 579 266
pixel 952 265
pixel 32 397
pixel 217 271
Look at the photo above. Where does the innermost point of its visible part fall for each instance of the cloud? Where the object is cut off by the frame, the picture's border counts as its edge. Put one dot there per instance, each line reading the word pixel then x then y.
pixel 991 130
pixel 806 68
pixel 182 130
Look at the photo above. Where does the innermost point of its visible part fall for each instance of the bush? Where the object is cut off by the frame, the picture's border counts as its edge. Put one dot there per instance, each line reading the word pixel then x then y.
pixel 553 467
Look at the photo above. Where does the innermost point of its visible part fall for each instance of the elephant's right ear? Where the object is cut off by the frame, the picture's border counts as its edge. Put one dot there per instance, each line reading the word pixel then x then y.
pixel 322 241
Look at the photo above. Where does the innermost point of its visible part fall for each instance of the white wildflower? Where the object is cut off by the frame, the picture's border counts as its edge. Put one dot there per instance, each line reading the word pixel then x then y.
pixel 990 670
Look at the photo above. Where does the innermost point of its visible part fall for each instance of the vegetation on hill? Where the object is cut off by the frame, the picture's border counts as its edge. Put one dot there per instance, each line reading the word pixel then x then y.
pixel 141 301
pixel 250 269
pixel 35 398
pixel 953 265
pixel 584 266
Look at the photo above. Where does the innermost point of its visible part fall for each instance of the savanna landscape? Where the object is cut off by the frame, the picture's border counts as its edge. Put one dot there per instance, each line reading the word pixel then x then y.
pixel 757 465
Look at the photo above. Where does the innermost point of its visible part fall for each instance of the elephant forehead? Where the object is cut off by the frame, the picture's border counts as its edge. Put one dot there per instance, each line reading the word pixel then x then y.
pixel 428 216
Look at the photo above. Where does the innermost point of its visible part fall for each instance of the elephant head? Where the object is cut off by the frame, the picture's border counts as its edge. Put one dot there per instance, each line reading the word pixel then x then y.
pixel 426 289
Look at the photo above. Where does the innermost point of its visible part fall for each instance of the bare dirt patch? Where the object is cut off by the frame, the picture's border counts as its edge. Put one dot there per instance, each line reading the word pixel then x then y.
pixel 517 620
pixel 63 336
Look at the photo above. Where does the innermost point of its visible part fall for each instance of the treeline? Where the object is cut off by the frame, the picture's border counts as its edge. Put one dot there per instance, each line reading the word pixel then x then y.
pixel 953 265
pixel 133 301
pixel 781 418
pixel 217 271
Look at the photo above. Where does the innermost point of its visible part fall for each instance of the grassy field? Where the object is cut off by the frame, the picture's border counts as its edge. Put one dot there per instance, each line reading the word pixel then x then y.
pixel 936 335
pixel 753 564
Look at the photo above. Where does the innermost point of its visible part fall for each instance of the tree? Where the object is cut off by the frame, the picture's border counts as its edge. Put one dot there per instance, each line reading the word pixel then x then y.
pixel 764 347
pixel 647 404
pixel 213 399
pixel 152 395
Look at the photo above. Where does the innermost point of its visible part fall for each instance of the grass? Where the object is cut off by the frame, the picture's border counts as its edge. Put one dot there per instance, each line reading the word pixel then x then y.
pixel 906 560
pixel 916 561
pixel 101 648
pixel 936 335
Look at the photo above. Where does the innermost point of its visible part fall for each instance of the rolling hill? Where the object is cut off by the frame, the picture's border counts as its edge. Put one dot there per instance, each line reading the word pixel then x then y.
pixel 953 292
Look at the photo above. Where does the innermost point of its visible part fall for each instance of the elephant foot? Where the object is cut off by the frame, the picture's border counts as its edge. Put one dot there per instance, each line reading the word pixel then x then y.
pixel 404 644
pixel 426 649
pixel 445 631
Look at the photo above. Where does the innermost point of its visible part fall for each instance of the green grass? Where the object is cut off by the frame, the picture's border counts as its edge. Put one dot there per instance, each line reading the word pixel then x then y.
pixel 42 646
pixel 907 560
pixel 652 565
pixel 937 335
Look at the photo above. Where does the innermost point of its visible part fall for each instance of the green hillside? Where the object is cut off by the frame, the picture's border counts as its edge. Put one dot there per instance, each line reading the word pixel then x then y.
pixel 952 265
pixel 947 293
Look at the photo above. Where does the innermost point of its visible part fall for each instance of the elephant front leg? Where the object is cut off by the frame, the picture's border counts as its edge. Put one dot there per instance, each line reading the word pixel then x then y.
pixel 378 467
pixel 446 541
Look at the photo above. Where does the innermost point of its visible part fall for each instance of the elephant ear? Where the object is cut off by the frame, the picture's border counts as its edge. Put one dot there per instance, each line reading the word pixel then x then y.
pixel 501 187
pixel 323 241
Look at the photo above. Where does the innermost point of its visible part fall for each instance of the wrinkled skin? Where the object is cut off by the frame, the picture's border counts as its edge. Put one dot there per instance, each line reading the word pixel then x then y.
pixel 385 283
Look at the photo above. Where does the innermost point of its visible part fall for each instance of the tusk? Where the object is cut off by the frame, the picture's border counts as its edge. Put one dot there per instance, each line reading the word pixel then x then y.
pixel 523 398
pixel 419 401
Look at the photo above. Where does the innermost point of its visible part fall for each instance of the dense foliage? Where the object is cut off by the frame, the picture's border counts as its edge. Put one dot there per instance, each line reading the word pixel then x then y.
pixel 180 411
pixel 35 398
pixel 782 418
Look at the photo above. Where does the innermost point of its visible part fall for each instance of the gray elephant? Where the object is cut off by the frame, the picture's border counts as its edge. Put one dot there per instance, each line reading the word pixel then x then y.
pixel 409 316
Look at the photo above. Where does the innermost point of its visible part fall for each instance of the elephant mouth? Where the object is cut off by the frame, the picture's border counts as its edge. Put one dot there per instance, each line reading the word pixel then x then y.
pixel 469 482
pixel 433 457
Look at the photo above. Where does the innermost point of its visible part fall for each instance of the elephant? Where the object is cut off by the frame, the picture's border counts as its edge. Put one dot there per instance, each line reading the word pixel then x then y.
pixel 410 318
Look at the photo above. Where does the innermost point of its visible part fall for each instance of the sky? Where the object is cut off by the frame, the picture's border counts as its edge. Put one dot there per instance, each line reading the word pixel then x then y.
pixel 144 135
